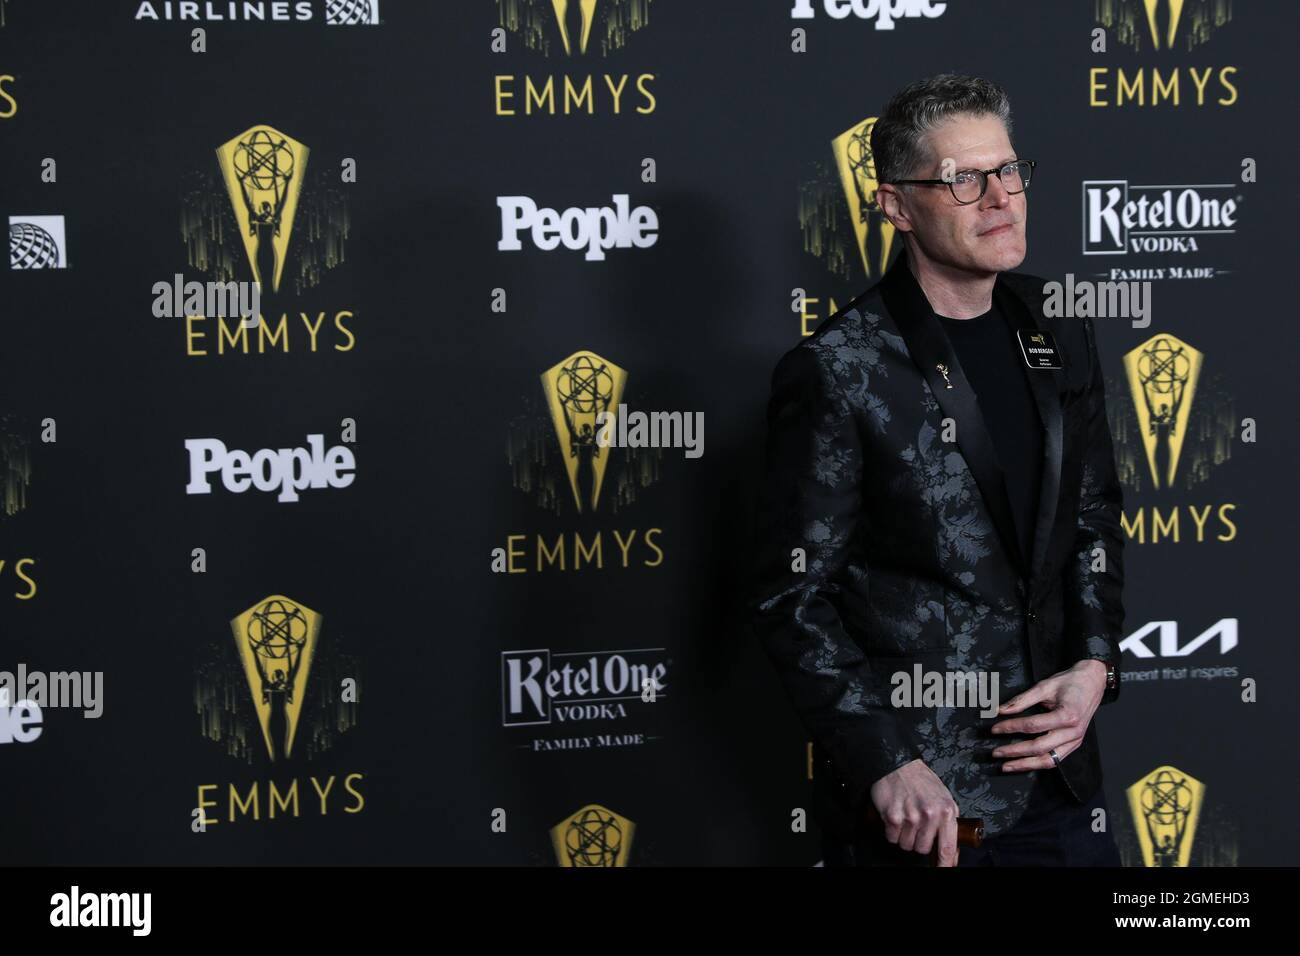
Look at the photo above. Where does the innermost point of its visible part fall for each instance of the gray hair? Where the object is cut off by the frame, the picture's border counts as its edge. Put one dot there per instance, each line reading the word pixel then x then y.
pixel 897 138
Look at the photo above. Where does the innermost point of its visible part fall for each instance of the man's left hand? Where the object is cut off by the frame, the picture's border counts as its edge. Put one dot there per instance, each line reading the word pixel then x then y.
pixel 1071 698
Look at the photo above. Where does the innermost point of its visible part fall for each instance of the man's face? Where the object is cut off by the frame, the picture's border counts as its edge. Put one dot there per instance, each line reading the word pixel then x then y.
pixel 985 236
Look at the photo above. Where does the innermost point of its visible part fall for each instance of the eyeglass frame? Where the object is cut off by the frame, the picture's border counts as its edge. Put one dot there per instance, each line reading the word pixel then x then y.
pixel 984 182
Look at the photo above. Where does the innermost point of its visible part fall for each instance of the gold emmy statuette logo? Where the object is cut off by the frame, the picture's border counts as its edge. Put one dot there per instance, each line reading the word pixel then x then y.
pixel 537 22
pixel 276 639
pixel 1175 14
pixel 1166 805
pixel 1162 21
pixel 852 150
pixel 578 389
pixel 263 170
pixel 593 836
pixel 1162 374
pixel 15 468
pixel 587 8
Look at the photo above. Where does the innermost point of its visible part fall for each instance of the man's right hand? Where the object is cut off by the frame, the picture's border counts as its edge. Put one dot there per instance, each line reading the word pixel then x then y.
pixel 917 811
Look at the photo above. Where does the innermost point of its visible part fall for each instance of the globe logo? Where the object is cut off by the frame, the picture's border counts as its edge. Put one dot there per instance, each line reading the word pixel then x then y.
pixel 278 632
pixel 31 247
pixel 594 838
pixel 264 163
pixel 863 165
pixel 585 388
pixel 350 12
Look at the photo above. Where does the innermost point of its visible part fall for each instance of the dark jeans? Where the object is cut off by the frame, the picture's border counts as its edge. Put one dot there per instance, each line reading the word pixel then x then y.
pixel 1054 831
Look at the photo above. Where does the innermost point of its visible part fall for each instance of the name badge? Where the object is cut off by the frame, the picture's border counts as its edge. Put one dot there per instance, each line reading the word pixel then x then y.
pixel 1039 348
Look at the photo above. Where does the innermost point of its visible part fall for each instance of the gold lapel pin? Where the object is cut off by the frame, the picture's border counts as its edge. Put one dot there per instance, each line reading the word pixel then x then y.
pixel 943 370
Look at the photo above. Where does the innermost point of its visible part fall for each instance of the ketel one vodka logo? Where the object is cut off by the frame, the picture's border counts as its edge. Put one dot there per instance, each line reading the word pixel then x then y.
pixel 593 836
pixel 538 686
pixel 263 170
pixel 1162 374
pixel 276 640
pixel 1122 217
pixel 1166 805
pixel 578 389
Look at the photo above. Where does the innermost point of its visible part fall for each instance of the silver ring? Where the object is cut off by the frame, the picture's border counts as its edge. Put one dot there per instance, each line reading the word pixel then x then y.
pixel 1056 761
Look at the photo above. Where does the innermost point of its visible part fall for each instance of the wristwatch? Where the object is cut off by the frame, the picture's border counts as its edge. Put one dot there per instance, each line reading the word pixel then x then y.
pixel 1112 677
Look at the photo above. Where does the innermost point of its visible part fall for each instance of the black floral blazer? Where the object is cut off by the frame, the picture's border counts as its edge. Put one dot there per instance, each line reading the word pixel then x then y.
pixel 881 546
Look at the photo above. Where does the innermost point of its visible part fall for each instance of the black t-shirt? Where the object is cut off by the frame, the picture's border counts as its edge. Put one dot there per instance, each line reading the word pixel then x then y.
pixel 990 355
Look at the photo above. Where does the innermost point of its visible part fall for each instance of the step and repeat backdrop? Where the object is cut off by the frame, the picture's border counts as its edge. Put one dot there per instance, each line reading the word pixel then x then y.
pixel 340 574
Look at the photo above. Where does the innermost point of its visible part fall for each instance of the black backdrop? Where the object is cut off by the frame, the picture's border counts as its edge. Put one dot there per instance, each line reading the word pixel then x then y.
pixel 455 452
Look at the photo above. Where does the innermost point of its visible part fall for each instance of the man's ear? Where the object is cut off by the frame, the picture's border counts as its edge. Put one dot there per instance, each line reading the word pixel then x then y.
pixel 890 200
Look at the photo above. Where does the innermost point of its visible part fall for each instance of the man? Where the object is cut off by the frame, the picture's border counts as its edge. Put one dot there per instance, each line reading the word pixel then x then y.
pixel 940 496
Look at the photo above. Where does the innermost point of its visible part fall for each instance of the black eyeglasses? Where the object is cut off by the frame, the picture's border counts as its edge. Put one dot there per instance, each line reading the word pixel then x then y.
pixel 969 185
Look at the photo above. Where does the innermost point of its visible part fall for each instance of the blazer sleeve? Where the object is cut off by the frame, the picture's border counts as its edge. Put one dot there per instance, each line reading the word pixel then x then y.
pixel 810 501
pixel 1094 580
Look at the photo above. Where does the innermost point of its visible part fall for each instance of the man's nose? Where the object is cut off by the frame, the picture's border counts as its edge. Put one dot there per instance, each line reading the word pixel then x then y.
pixel 995 195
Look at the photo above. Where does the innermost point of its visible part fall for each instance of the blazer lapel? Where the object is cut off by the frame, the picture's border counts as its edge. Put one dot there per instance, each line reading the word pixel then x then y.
pixel 1046 386
pixel 930 348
